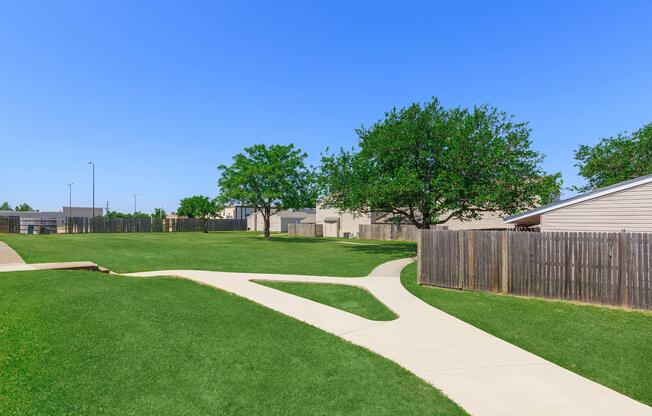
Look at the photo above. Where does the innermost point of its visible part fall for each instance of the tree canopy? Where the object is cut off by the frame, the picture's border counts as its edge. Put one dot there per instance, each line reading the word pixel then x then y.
pixel 270 179
pixel 23 207
pixel 159 213
pixel 116 214
pixel 430 164
pixel 5 207
pixel 200 206
pixel 615 159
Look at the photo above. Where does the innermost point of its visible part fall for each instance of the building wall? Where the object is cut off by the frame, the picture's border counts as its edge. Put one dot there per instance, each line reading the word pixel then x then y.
pixel 237 212
pixel 489 221
pixel 348 223
pixel 278 223
pixel 629 210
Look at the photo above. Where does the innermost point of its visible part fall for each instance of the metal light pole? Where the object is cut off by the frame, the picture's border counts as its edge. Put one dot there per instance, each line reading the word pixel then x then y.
pixel 135 195
pixel 70 199
pixel 93 212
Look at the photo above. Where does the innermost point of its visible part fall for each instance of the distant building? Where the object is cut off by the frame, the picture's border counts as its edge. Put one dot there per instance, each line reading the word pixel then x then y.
pixel 278 223
pixel 84 212
pixel 237 212
pixel 33 222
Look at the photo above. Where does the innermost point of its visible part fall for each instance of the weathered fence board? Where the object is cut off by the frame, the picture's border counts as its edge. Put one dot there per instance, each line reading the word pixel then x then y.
pixel 602 268
pixel 306 230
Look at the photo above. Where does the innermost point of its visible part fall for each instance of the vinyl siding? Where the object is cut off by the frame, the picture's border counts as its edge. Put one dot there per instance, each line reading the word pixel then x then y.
pixel 629 210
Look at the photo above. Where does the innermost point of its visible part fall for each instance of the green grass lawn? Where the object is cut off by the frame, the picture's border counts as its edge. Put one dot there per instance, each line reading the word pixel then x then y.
pixel 610 346
pixel 84 343
pixel 348 298
pixel 220 251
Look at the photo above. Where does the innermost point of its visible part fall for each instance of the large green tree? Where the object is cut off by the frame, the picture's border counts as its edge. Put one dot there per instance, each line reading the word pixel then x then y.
pixel 430 164
pixel 269 178
pixel 615 159
pixel 5 206
pixel 200 206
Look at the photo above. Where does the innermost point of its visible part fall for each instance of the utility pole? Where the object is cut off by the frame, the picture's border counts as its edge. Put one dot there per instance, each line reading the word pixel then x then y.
pixel 70 199
pixel 93 212
pixel 135 196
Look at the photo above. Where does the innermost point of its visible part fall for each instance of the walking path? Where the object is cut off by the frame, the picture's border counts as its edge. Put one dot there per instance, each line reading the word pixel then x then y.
pixel 483 374
pixel 8 255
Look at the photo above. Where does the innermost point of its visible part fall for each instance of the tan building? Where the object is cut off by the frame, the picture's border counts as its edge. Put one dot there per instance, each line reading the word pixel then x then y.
pixel 278 223
pixel 626 206
pixel 340 224
pixel 237 212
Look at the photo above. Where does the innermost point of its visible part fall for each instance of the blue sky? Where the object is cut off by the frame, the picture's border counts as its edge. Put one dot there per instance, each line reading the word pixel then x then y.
pixel 159 93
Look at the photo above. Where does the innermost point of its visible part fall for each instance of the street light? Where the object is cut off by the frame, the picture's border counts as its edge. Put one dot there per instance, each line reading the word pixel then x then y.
pixel 135 195
pixel 70 199
pixel 93 212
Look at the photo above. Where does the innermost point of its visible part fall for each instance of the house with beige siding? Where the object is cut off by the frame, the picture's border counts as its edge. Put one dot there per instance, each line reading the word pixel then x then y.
pixel 625 206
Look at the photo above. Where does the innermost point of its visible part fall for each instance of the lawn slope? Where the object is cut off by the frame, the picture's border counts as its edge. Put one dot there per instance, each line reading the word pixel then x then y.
pixel 610 346
pixel 74 343
pixel 219 251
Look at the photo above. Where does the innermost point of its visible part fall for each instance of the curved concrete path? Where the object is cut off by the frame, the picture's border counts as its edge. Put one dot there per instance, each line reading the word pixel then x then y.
pixel 483 374
pixel 8 255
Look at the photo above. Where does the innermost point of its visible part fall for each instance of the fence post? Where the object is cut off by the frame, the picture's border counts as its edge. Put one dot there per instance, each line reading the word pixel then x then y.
pixel 623 254
pixel 504 273
pixel 470 272
pixel 419 253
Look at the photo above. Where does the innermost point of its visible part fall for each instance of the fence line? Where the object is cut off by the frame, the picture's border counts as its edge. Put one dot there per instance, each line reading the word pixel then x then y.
pixel 306 230
pixel 399 232
pixel 80 225
pixel 602 268
pixel 10 224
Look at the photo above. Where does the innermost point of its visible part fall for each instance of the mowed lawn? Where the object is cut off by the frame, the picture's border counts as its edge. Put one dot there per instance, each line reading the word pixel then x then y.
pixel 610 346
pixel 219 251
pixel 355 300
pixel 84 343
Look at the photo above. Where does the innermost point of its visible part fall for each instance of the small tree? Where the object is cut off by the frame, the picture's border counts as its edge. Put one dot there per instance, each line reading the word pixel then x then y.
pixel 159 213
pixel 429 164
pixel 615 159
pixel 23 207
pixel 200 206
pixel 5 206
pixel 270 179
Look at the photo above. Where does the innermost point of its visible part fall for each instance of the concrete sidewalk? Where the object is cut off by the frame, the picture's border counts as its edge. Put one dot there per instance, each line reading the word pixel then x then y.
pixel 8 255
pixel 483 374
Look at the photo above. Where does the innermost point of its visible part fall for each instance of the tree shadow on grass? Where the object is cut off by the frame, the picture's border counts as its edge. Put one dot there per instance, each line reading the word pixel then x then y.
pixel 359 246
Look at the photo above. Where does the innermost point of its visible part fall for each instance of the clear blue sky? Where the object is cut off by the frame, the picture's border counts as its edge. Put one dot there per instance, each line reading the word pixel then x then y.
pixel 159 93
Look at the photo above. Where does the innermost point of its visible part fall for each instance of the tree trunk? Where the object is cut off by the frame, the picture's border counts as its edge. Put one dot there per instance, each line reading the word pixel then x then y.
pixel 205 225
pixel 266 215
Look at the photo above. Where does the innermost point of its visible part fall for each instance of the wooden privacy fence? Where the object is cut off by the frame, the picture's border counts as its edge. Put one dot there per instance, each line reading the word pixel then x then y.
pixel 306 230
pixel 10 224
pixel 602 268
pixel 399 232
pixel 147 225
pixel 197 224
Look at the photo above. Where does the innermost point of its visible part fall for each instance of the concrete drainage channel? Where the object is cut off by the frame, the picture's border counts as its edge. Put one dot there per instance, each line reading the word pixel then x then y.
pixel 72 265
